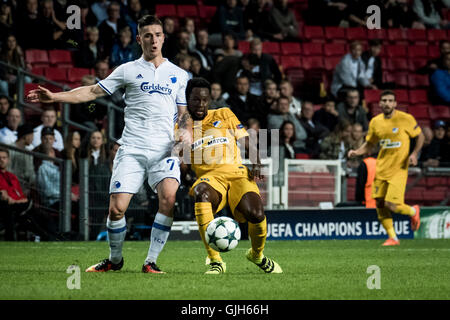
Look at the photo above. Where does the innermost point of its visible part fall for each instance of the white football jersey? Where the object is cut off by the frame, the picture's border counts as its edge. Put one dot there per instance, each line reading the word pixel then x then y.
pixel 151 98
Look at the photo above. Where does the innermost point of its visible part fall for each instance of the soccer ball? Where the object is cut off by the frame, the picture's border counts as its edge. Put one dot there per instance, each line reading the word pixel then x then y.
pixel 223 234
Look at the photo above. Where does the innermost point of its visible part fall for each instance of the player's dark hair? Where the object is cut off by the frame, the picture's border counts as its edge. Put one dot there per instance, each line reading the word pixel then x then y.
pixel 197 83
pixel 387 93
pixel 149 20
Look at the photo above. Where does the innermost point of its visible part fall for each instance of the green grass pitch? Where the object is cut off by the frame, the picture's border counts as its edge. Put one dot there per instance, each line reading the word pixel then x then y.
pixel 418 269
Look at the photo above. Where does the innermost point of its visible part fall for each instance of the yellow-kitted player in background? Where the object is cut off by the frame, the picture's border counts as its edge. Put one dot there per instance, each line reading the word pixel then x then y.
pixel 222 178
pixel 392 129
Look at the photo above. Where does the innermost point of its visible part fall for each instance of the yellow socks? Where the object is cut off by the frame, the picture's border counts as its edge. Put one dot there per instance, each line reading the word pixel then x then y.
pixel 405 209
pixel 385 217
pixel 258 233
pixel 204 215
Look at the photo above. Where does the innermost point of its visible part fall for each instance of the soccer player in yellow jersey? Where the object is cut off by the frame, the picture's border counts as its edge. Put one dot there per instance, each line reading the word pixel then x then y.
pixel 221 176
pixel 392 130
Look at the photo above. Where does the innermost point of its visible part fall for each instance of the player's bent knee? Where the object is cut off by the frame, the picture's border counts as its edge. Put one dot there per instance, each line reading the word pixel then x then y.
pixel 255 215
pixel 116 212
pixel 391 206
pixel 202 193
pixel 379 203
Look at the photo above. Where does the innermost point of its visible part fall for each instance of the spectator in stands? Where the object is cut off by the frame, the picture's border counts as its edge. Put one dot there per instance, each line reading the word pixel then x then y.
pixel 4 107
pixel 72 153
pixel 21 164
pixel 182 46
pixel 428 156
pixel 437 63
pixel 440 83
pixel 13 55
pixel 445 150
pixel 184 61
pixel 274 121
pixel 189 26
pixel 364 182
pixel 350 72
pixel 401 15
pixel 256 17
pixel 352 110
pixel 197 69
pixel 217 99
pixel 283 22
pixel 91 50
pixel 270 96
pixel 327 12
pixel 432 157
pixel 6 20
pixel 109 28
pixel 244 104
pixel 125 50
pixel 48 119
pixel 287 90
pixel 428 14
pixel 47 142
pixel 229 47
pixel 12 201
pixel 113 147
pixel 101 70
pixel 52 28
pixel 338 143
pixel 170 37
pixel 100 10
pixel 287 149
pixel 4 87
pixel 358 137
pixel 372 63
pixel 135 10
pixel 29 26
pixel 203 51
pixel 99 173
pixel 314 130
pixel 48 179
pixel 231 20
pixel 327 115
pixel 8 134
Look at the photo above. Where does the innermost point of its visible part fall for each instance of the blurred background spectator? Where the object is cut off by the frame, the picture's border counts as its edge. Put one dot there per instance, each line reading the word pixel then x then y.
pixel 4 107
pixel 8 134
pixel 351 109
pixel 217 100
pixel 440 83
pixel 48 119
pixel 283 23
pixel 314 130
pixel 338 143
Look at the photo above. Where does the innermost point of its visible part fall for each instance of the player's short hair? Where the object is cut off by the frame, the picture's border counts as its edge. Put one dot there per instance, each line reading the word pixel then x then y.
pixel 149 20
pixel 387 93
pixel 197 83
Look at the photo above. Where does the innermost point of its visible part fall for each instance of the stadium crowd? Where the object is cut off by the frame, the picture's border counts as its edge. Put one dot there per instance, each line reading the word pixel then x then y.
pixel 229 48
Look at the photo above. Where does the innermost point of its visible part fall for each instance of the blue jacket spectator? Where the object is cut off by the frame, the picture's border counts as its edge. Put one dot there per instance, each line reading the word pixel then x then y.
pixel 440 82
pixel 124 50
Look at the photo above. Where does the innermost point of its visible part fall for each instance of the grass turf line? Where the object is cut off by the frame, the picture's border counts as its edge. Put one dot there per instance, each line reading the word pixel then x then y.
pixel 331 269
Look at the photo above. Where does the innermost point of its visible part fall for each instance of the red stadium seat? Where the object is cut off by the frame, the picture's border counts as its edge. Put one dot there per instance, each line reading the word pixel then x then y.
pixel 244 46
pixel 37 58
pixel 398 64
pixel 433 52
pixel 371 95
pixel 313 62
pixel 397 36
pixel 376 34
pixel 38 71
pixel 290 62
pixel 419 111
pixel 290 48
pixel 418 51
pixel 402 96
pixel 76 74
pixel 56 74
pixel 187 11
pixel 207 12
pixel 164 10
pixel 330 63
pixel 399 78
pixel 312 49
pixel 60 58
pixel 313 32
pixel 417 63
pixel 277 58
pixel 356 34
pixel 418 96
pixel 418 81
pixel 436 35
pixel 335 33
pixel 271 47
pixel 432 182
pixel 334 49
pixel 439 112
pixel 418 36
pixel 415 194
pixel 374 108
pixel 395 51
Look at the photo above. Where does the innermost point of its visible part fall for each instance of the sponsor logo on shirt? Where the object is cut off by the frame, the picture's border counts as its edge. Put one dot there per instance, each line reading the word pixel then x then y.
pixel 239 126
pixel 394 130
pixel 217 124
pixel 209 141
pixel 173 79
pixel 155 88
pixel 139 76
pixel 388 144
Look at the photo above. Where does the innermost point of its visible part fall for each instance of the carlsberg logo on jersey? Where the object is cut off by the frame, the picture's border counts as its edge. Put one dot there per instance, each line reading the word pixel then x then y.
pixel 155 88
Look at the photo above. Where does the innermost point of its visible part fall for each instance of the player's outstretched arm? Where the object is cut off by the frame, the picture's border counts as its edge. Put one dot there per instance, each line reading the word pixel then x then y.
pixel 419 144
pixel 77 95
pixel 365 148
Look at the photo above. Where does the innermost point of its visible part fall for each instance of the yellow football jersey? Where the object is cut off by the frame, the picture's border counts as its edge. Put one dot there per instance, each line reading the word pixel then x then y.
pixel 214 144
pixel 393 135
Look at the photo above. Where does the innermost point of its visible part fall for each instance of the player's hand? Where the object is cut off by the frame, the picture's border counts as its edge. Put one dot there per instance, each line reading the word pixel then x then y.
pixel 255 172
pixel 40 95
pixel 413 159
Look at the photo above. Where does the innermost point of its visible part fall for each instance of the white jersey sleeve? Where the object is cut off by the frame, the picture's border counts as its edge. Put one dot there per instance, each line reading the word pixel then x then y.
pixel 114 81
pixel 181 94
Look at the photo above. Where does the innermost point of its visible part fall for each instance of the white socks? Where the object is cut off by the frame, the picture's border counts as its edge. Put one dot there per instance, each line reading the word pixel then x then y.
pixel 116 235
pixel 158 238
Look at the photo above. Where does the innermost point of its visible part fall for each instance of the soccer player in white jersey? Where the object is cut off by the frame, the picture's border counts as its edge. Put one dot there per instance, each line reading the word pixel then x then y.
pixel 154 97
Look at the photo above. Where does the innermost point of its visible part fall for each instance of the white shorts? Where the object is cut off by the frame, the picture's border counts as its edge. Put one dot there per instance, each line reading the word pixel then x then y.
pixel 133 165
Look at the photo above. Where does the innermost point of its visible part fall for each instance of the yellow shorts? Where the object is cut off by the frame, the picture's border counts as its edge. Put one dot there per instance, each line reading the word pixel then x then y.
pixel 392 190
pixel 232 185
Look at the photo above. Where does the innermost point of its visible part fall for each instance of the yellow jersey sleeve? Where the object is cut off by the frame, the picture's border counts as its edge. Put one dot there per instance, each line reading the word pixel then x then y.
pixel 234 124
pixel 412 128
pixel 372 137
